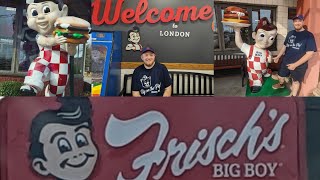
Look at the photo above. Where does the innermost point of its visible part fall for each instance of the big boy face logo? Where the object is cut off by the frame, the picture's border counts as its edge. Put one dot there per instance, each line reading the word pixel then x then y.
pixel 134 37
pixel 69 151
pixel 146 81
pixel 292 39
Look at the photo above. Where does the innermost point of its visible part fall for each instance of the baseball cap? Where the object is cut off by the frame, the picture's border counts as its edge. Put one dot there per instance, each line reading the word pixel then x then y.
pixel 145 49
pixel 298 16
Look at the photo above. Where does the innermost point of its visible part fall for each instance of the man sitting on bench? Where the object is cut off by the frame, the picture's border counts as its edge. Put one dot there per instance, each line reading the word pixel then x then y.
pixel 151 78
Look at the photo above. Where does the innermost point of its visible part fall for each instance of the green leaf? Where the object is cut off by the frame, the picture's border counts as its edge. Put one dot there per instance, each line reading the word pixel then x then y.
pixel 77 35
pixel 59 33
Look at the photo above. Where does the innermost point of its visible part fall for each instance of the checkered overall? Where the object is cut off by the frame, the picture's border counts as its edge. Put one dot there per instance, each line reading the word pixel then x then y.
pixel 51 65
pixel 256 68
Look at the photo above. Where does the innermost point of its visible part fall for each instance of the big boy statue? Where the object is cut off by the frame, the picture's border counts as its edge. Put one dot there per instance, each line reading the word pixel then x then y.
pixel 258 56
pixel 52 64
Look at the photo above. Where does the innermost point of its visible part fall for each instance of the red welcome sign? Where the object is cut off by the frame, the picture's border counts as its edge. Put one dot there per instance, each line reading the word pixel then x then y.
pixel 152 15
pixel 151 138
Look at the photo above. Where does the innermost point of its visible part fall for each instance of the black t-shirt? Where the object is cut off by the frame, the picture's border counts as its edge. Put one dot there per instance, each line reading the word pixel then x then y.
pixel 151 82
pixel 297 44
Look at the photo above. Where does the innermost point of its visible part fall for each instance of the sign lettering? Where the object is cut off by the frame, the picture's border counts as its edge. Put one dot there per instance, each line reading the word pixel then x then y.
pixel 204 149
pixel 152 15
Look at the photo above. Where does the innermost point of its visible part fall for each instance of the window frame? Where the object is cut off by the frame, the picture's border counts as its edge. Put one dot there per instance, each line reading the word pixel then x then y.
pixel 249 7
pixel 290 16
pixel 17 21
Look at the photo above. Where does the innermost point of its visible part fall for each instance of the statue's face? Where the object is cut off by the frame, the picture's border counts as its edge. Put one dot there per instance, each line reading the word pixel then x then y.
pixel 42 16
pixel 264 39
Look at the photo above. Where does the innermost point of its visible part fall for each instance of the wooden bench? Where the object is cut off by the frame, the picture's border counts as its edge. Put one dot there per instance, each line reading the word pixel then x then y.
pixel 231 61
pixel 183 84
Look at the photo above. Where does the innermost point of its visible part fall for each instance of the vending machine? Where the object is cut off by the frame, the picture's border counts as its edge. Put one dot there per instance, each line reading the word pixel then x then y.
pixel 106 57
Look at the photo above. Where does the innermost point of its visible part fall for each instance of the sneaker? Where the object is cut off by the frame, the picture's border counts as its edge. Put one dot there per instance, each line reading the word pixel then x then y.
pixel 27 91
pixel 278 86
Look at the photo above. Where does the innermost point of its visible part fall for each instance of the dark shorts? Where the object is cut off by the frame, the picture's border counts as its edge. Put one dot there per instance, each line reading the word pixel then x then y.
pixel 297 74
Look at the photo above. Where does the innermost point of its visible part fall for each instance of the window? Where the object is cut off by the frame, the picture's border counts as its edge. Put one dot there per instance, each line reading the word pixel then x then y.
pixel 7 28
pixel 224 36
pixel 29 49
pixel 291 13
pixel 215 34
pixel 257 14
pixel 78 59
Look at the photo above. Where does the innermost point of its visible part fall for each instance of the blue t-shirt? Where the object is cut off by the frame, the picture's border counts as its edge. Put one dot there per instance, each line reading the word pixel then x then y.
pixel 151 82
pixel 297 44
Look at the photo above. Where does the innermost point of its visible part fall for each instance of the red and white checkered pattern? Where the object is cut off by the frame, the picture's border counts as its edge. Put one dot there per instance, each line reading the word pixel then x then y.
pixel 53 65
pixel 257 67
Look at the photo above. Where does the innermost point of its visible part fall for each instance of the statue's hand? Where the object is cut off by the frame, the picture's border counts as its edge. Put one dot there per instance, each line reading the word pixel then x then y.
pixel 59 39
pixel 237 29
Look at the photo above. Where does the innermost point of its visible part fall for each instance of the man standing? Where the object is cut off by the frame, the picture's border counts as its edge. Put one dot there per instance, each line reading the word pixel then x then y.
pixel 151 78
pixel 299 47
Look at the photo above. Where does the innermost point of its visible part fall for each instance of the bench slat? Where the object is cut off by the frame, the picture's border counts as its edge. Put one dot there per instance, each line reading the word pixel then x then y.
pixel 189 85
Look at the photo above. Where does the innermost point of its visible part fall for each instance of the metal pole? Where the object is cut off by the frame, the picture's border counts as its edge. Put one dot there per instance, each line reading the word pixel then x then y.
pixel 71 78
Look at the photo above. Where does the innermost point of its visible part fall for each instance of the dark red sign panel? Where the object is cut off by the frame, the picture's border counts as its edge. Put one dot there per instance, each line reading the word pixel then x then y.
pixel 151 138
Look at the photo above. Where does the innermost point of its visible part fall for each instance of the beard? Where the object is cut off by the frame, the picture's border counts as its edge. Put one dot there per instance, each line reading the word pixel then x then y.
pixel 298 28
pixel 149 65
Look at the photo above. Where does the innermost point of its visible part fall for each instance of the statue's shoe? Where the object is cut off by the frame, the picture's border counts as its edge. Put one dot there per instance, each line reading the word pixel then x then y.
pixel 27 91
pixel 255 89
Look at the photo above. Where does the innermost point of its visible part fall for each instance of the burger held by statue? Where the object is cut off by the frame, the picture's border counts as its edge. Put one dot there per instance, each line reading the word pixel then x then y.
pixel 75 29
pixel 236 17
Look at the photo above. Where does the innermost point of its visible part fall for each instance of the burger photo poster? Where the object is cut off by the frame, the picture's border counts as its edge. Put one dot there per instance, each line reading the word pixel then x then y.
pixel 98 56
pixel 258 55
pixel 57 38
